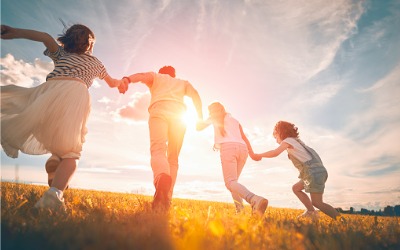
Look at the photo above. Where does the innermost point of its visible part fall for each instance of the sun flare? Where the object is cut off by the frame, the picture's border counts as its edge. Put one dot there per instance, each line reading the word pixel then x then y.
pixel 190 116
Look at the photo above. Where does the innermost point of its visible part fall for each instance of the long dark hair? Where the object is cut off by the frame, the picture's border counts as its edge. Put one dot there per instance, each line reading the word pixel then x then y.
pixel 217 114
pixel 76 39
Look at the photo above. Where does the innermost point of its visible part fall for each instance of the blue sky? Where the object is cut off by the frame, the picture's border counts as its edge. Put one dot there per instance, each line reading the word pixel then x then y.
pixel 332 68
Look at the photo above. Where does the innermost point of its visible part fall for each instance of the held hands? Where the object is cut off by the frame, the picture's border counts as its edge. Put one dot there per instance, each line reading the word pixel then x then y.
pixel 254 157
pixel 123 87
pixel 199 124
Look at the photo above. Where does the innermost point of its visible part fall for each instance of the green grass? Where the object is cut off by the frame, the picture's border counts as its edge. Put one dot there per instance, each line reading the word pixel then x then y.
pixel 104 220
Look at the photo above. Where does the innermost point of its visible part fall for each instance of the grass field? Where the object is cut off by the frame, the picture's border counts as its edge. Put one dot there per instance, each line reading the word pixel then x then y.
pixel 104 220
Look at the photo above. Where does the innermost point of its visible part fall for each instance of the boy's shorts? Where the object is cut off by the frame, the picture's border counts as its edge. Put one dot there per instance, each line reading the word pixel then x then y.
pixel 314 179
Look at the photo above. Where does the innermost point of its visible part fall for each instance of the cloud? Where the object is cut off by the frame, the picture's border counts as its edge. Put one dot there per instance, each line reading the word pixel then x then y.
pixel 165 4
pixel 95 84
pixel 384 86
pixel 105 100
pixel 200 22
pixel 23 74
pixel 383 171
pixel 385 191
pixel 137 167
pixel 202 190
pixel 99 170
pixel 136 109
pixel 380 166
pixel 381 118
pixel 313 33
pixel 319 95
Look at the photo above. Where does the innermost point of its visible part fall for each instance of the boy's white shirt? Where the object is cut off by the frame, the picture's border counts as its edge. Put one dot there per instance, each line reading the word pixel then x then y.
pixel 298 150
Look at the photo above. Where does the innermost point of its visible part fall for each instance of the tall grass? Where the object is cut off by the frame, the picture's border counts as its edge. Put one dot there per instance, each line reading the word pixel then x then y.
pixel 104 220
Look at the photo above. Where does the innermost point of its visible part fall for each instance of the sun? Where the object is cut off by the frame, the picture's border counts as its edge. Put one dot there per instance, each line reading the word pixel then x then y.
pixel 190 116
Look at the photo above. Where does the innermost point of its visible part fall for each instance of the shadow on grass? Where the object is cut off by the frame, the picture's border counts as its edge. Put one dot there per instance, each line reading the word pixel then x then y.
pixel 44 230
pixel 80 227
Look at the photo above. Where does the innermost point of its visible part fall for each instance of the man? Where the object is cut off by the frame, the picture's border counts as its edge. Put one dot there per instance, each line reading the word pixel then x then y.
pixel 166 126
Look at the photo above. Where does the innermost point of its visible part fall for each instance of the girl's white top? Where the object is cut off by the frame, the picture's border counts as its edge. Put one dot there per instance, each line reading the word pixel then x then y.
pixel 232 131
pixel 298 150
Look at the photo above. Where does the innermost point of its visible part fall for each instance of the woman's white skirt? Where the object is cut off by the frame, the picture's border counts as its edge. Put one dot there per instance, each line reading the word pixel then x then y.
pixel 49 118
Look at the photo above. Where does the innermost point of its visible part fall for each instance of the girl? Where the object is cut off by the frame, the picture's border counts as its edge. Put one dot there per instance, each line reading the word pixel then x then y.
pixel 51 117
pixel 233 145
pixel 313 174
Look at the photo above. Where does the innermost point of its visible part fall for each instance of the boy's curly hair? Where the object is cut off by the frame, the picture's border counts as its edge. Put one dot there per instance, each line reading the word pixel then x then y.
pixel 286 129
pixel 76 39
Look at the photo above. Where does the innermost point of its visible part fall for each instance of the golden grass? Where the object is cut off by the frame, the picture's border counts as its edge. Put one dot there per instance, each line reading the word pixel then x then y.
pixel 104 220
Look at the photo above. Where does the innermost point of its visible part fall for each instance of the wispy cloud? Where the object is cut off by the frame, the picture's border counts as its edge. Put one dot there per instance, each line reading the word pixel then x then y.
pixel 380 119
pixel 319 95
pixel 313 33
pixel 201 22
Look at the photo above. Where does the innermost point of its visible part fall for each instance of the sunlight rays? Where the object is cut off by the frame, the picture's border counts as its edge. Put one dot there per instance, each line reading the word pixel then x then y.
pixel 190 116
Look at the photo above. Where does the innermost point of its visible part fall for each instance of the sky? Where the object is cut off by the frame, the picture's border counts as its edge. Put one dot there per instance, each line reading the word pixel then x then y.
pixel 330 67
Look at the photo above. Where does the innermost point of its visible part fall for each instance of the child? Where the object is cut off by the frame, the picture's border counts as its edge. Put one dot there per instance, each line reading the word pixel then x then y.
pixel 233 145
pixel 313 174
pixel 51 117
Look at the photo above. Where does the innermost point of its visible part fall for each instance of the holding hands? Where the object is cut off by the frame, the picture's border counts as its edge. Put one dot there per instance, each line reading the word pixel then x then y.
pixel 200 124
pixel 254 157
pixel 123 87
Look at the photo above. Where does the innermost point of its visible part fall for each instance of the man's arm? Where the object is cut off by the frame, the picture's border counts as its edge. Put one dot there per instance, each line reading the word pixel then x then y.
pixel 112 83
pixel 194 95
pixel 146 78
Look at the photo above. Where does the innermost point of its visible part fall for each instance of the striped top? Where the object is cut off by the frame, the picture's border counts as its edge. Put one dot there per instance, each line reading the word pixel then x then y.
pixel 83 66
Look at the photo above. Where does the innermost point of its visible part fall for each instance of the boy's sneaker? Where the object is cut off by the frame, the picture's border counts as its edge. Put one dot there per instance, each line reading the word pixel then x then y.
pixel 51 167
pixel 309 214
pixel 51 200
pixel 259 204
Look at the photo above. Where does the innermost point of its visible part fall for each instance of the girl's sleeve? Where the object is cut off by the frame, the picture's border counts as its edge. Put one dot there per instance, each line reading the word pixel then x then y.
pixel 55 55
pixel 103 72
pixel 289 141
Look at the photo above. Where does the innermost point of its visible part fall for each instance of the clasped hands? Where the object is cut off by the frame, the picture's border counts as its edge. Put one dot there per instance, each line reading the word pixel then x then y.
pixel 123 87
pixel 253 156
